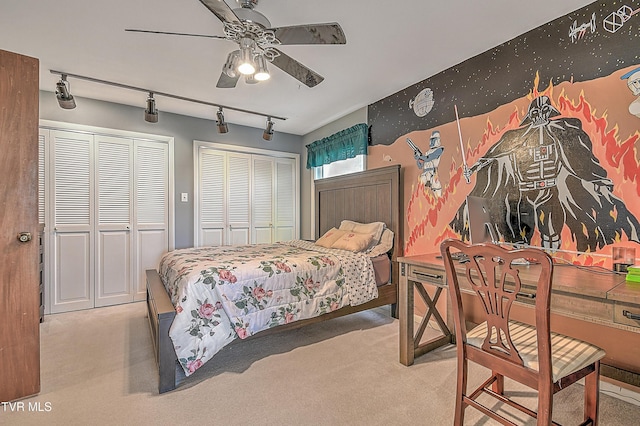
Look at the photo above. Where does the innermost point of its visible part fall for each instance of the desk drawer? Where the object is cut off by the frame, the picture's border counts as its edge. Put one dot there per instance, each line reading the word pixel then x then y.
pixel 424 274
pixel 626 314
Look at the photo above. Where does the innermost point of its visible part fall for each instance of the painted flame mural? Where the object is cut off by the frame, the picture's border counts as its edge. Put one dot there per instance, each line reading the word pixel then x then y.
pixel 555 161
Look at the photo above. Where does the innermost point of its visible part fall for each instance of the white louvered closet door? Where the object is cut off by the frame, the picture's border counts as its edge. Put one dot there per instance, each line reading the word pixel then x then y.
pixel 239 198
pixel 151 225
pixel 72 244
pixel 113 220
pixel 211 200
pixel 285 200
pixel 262 200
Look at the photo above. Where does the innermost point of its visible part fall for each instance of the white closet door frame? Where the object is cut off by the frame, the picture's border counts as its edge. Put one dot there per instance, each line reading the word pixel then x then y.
pixel 46 127
pixel 198 145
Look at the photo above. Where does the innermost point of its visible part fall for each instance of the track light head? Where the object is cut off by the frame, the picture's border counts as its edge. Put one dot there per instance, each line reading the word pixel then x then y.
pixel 151 113
pixel 65 99
pixel 268 131
pixel 222 126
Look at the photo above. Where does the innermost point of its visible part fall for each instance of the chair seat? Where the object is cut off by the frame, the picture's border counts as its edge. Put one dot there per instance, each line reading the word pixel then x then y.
pixel 568 355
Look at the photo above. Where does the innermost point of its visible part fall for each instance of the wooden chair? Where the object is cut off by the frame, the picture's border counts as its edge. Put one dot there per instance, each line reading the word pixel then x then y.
pixel 531 355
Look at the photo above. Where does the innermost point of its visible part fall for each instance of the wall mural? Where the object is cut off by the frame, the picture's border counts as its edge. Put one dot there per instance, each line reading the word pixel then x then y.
pixel 555 158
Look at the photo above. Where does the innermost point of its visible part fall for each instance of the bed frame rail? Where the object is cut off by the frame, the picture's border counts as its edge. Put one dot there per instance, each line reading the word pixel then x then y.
pixel 161 313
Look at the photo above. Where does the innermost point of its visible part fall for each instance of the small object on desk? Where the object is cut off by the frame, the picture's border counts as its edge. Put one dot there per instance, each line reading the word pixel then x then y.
pixel 460 257
pixel 623 258
pixel 633 274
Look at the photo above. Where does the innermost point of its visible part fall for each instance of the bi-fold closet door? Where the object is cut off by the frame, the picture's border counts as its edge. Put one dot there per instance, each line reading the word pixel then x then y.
pixel 244 198
pixel 108 211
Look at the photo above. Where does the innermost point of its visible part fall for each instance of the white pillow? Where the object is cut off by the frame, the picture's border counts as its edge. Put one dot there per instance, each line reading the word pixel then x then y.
pixel 386 244
pixel 374 229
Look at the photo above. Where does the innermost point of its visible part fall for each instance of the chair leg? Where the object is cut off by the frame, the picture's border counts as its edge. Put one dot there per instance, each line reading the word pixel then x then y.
pixel 498 385
pixel 461 390
pixel 545 405
pixel 592 395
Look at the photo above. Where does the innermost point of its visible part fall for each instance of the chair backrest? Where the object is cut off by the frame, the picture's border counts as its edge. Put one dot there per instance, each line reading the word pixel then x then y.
pixel 488 269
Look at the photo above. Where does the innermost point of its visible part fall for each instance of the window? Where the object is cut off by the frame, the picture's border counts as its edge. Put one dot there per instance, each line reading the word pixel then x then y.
pixel 342 167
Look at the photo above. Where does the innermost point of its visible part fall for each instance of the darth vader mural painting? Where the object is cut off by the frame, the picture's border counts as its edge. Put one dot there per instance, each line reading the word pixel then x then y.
pixel 544 176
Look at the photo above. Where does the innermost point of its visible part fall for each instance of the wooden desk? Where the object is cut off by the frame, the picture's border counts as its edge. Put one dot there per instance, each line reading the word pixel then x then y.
pixel 415 272
pixel 589 304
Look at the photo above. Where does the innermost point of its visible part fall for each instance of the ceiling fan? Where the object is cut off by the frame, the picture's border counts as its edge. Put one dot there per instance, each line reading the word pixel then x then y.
pixel 256 40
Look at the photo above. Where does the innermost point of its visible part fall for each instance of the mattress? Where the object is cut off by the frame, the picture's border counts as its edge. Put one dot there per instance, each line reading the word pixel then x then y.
pixel 229 292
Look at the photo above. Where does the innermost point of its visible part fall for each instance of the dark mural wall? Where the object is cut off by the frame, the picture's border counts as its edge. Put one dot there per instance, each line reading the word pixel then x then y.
pixel 546 137
pixel 591 42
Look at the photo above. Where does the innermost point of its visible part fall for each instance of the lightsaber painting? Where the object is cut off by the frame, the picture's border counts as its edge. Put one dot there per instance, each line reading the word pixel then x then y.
pixel 464 160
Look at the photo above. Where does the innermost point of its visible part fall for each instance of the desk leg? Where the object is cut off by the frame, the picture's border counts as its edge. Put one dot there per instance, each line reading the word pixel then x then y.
pixel 405 308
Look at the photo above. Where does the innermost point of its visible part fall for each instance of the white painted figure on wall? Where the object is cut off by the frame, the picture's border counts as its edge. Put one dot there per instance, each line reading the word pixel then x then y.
pixel 428 163
pixel 633 82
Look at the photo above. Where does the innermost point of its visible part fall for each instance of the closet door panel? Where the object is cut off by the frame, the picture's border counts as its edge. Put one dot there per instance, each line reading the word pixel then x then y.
pixel 73 222
pixel 285 200
pixel 212 198
pixel 151 225
pixel 113 220
pixel 262 200
pixel 114 271
pixel 239 198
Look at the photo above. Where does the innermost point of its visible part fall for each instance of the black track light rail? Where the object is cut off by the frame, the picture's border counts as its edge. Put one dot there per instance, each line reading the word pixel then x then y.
pixel 168 95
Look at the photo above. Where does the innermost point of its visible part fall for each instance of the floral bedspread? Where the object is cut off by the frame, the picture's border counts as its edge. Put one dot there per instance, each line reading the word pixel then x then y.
pixel 221 293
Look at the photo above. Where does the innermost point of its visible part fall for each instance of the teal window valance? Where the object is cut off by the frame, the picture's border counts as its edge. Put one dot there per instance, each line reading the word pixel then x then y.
pixel 347 143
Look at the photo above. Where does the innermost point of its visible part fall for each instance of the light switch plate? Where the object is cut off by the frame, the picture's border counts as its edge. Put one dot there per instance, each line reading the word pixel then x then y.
pixel 184 197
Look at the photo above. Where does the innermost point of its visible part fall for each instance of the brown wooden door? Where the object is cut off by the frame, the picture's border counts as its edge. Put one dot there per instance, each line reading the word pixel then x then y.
pixel 19 275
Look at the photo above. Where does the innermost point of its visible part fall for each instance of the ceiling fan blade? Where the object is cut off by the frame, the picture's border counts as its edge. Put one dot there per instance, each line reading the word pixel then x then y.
pixel 170 33
pixel 221 10
pixel 297 70
pixel 226 82
pixel 311 34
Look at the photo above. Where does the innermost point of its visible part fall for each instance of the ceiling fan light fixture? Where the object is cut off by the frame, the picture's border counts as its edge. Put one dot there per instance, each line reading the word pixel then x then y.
pixel 222 125
pixel 151 113
pixel 246 65
pixel 230 66
pixel 250 79
pixel 262 73
pixel 65 99
pixel 268 131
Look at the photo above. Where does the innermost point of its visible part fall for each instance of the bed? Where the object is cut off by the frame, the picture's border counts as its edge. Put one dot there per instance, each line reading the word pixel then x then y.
pixel 365 197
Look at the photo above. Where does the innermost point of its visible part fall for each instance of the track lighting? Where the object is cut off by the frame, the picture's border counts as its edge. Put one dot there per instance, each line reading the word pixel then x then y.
pixel 151 113
pixel 262 73
pixel 65 99
pixel 222 126
pixel 268 131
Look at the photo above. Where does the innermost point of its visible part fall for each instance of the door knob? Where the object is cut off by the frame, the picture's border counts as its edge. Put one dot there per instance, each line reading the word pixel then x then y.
pixel 23 237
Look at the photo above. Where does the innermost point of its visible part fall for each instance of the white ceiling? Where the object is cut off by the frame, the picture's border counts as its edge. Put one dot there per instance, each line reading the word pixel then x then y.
pixel 390 45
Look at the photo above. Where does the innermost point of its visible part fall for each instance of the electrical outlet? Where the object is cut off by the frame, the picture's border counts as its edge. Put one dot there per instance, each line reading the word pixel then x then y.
pixel 184 197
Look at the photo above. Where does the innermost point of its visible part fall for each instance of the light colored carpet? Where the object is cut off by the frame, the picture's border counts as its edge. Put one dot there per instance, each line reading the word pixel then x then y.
pixel 98 368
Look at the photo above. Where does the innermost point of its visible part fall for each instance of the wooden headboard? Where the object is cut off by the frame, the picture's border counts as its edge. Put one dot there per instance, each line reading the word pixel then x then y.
pixel 370 196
